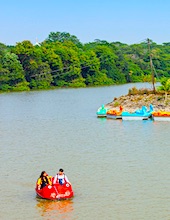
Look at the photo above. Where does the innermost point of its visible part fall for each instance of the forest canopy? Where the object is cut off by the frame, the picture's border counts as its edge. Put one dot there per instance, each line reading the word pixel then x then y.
pixel 62 60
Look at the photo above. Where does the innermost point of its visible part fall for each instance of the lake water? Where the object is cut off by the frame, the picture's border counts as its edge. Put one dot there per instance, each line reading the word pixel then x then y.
pixel 118 169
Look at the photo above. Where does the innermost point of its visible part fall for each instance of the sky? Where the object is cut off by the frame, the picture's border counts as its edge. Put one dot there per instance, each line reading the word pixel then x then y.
pixel 126 21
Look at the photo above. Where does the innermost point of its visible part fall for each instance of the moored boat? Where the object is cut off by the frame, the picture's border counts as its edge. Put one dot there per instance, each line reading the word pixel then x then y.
pixel 55 192
pixel 161 116
pixel 101 112
pixel 114 114
pixel 140 114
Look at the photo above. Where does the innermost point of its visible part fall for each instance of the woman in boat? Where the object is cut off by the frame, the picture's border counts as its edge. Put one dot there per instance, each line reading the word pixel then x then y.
pixel 43 180
pixel 61 178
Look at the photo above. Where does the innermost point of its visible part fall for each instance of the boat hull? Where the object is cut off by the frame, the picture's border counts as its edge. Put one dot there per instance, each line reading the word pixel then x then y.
pixel 101 115
pixel 134 118
pixel 161 118
pixel 114 116
pixel 55 192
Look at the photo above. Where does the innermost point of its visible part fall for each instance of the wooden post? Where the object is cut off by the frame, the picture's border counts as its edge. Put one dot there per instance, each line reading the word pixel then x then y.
pixel 151 65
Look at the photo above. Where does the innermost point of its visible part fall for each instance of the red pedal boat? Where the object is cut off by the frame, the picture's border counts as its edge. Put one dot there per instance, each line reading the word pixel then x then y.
pixel 55 192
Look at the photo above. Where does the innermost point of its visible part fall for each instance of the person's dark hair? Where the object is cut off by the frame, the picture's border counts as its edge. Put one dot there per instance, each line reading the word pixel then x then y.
pixel 42 176
pixel 42 173
pixel 61 170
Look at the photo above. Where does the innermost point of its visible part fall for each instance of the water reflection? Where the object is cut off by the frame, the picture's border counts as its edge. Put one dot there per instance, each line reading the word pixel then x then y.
pixel 55 209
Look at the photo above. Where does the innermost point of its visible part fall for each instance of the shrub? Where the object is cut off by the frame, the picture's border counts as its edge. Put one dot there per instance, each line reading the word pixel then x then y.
pixel 135 91
pixel 116 104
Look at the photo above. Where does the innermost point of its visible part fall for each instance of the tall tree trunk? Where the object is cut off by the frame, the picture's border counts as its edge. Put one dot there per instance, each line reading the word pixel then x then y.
pixel 166 96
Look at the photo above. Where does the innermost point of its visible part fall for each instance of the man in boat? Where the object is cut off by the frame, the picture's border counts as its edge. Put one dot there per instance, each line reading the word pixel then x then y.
pixel 43 180
pixel 61 178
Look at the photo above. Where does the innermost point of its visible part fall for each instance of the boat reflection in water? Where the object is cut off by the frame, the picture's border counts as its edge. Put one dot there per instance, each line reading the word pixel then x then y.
pixel 55 209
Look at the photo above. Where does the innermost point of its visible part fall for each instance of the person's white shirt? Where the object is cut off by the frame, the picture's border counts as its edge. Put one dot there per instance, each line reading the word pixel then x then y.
pixel 61 178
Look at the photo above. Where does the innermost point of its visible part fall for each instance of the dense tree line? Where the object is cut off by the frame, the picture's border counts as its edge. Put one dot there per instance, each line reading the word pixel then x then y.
pixel 63 61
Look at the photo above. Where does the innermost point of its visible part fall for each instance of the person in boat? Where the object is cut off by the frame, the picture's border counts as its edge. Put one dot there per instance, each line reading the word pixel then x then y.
pixel 61 178
pixel 44 180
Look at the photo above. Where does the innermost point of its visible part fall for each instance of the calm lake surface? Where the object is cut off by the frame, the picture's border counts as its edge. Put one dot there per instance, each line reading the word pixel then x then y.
pixel 119 169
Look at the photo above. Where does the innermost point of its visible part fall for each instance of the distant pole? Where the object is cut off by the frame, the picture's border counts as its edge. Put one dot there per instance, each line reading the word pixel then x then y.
pixel 151 65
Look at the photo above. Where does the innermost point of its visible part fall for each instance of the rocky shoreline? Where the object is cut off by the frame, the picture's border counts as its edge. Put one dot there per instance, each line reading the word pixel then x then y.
pixel 133 102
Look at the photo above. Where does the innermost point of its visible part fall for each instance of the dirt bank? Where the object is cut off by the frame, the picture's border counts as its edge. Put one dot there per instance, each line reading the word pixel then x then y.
pixel 134 102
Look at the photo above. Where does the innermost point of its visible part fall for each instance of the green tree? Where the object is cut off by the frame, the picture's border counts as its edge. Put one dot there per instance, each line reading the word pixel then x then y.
pixel 108 59
pixel 62 37
pixel 12 73
pixel 42 78
pixel 165 86
pixel 30 57
pixel 90 66
pixel 70 61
